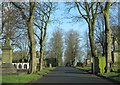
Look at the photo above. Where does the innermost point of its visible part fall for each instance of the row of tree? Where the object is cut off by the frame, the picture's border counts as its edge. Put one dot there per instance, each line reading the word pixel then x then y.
pixel 24 21
pixel 90 11
pixel 64 46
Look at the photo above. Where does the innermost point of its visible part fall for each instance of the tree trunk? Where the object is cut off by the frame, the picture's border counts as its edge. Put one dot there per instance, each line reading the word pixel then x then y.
pixel 92 44
pixel 41 59
pixel 59 62
pixel 32 46
pixel 108 33
pixel 59 57
pixel 103 49
pixel 93 47
pixel 29 21
pixel 42 42
pixel 33 63
pixel 41 52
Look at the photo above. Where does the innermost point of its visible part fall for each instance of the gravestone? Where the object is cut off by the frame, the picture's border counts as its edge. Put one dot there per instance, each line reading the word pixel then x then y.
pixel 50 65
pixel 7 67
pixel 116 57
pixel 95 65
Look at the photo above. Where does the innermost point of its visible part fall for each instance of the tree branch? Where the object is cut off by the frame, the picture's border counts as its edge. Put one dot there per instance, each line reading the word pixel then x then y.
pixel 80 11
pixel 21 11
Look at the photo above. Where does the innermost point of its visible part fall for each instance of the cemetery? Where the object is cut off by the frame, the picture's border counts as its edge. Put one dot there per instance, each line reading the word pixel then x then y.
pixel 54 42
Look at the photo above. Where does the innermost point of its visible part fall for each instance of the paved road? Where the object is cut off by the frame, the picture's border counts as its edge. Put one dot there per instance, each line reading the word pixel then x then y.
pixel 70 75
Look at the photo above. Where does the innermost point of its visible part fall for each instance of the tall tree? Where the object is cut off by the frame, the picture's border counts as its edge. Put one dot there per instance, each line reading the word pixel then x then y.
pixel 105 8
pixel 72 46
pixel 56 45
pixel 28 15
pixel 42 18
pixel 89 11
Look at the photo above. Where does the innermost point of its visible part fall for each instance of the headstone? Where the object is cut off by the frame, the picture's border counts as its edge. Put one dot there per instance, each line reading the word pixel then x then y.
pixel 95 65
pixel 116 57
pixel 7 67
pixel 50 65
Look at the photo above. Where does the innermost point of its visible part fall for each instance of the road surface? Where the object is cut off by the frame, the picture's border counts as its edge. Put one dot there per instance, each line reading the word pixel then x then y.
pixel 70 75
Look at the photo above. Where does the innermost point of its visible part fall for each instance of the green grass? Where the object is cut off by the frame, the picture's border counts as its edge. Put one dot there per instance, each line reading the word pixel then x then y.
pixel 0 79
pixel 26 78
pixel 84 68
pixel 19 79
pixel 45 70
pixel 111 75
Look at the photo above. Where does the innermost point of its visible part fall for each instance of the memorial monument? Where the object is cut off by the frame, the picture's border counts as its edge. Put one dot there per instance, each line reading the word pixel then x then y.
pixel 7 50
pixel 116 56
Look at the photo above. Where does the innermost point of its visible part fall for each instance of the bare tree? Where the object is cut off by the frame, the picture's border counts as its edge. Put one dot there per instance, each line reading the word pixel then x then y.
pixel 72 41
pixel 100 34
pixel 22 44
pixel 27 12
pixel 12 24
pixel 105 9
pixel 56 46
pixel 42 18
pixel 88 11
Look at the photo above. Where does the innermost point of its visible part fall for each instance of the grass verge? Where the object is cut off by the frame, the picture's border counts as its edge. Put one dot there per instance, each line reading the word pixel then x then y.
pixel 112 75
pixel 26 78
pixel 84 68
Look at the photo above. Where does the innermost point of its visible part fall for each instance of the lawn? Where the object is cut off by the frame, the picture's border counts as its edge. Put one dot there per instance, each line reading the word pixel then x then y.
pixel 26 78
pixel 19 79
pixel 111 75
pixel 84 68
